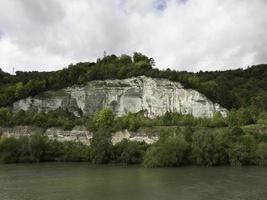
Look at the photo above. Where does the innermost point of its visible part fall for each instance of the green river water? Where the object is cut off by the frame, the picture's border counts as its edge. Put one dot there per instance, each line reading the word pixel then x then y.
pixel 80 181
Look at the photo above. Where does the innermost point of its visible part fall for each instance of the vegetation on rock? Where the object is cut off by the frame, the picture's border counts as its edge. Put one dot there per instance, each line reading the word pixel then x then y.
pixel 194 141
pixel 233 89
pixel 235 140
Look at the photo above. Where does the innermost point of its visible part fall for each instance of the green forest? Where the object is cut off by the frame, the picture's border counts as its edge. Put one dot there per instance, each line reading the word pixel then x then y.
pixel 189 141
pixel 238 139
pixel 233 89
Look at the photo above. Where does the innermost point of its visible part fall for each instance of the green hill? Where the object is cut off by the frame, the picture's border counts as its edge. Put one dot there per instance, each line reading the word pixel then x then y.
pixel 238 88
pixel 183 139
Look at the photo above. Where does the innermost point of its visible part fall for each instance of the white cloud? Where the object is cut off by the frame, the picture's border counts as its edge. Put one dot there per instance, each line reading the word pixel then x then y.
pixel 185 35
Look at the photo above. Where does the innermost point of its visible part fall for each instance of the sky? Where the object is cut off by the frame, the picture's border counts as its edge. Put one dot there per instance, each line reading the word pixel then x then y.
pixel 190 35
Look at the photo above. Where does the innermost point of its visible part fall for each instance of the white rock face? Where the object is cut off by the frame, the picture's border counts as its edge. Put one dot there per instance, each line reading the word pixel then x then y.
pixel 19 131
pixel 134 136
pixel 77 134
pixel 153 96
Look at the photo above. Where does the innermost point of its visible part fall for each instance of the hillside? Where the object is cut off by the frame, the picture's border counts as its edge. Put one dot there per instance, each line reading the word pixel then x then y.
pixel 201 135
pixel 243 92
pixel 231 89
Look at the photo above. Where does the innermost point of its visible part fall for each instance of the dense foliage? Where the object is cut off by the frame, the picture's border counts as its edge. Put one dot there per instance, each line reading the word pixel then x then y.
pixel 37 148
pixel 57 118
pixel 169 151
pixel 105 119
pixel 229 146
pixel 240 88
pixel 198 141
pixel 208 148
pixel 191 141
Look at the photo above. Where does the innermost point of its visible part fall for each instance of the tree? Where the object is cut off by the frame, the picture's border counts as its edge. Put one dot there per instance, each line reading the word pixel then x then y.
pixel 261 154
pixel 188 133
pixel 218 120
pixel 5 116
pixel 232 119
pixel 24 155
pixel 137 57
pixel 37 146
pixel 262 119
pixel 125 60
pixel 9 150
pixel 204 149
pixel 19 90
pixel 129 152
pixel 129 121
pixel 235 134
pixel 34 87
pixel 75 152
pixel 243 152
pixel 101 147
pixel 168 152
pixel 240 147
pixel 244 116
pixel 103 119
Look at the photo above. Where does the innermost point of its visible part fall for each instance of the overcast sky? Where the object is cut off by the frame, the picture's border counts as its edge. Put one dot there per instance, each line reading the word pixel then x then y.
pixel 180 34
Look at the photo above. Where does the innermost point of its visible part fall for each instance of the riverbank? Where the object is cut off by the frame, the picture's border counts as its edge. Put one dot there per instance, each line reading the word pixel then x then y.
pixel 179 147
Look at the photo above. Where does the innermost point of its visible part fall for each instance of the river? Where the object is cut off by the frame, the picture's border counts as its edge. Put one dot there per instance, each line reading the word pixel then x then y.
pixel 80 181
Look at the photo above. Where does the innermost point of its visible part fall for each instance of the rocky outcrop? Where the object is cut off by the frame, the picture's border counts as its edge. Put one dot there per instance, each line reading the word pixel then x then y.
pixel 134 136
pixel 19 131
pixel 152 96
pixel 78 134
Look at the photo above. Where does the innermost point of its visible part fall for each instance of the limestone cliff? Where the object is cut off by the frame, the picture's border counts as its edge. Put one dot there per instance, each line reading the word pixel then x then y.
pixel 79 134
pixel 153 96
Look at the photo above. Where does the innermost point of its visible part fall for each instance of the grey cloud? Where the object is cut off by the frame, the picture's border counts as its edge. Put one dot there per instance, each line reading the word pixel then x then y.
pixel 42 12
pixel 185 35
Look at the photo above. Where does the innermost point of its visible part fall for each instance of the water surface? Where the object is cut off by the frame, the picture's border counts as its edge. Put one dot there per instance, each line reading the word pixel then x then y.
pixel 80 181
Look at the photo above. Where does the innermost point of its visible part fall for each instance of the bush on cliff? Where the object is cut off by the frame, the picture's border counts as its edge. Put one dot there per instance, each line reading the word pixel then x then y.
pixel 103 119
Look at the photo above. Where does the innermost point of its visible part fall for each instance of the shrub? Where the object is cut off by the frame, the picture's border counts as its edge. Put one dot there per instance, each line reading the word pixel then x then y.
pixel 129 121
pixel 37 148
pixel 168 152
pixel 129 152
pixel 9 150
pixel 204 149
pixel 101 147
pixel 242 152
pixel 262 119
pixel 261 154
pixel 103 119
pixel 5 116
pixel 218 120
pixel 74 152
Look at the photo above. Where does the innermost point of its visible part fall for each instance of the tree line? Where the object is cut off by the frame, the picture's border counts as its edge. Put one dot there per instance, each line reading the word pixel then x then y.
pixel 198 141
pixel 130 121
pixel 192 142
pixel 233 89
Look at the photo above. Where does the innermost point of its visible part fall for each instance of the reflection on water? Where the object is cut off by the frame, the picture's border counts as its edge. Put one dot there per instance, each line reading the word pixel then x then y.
pixel 80 181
